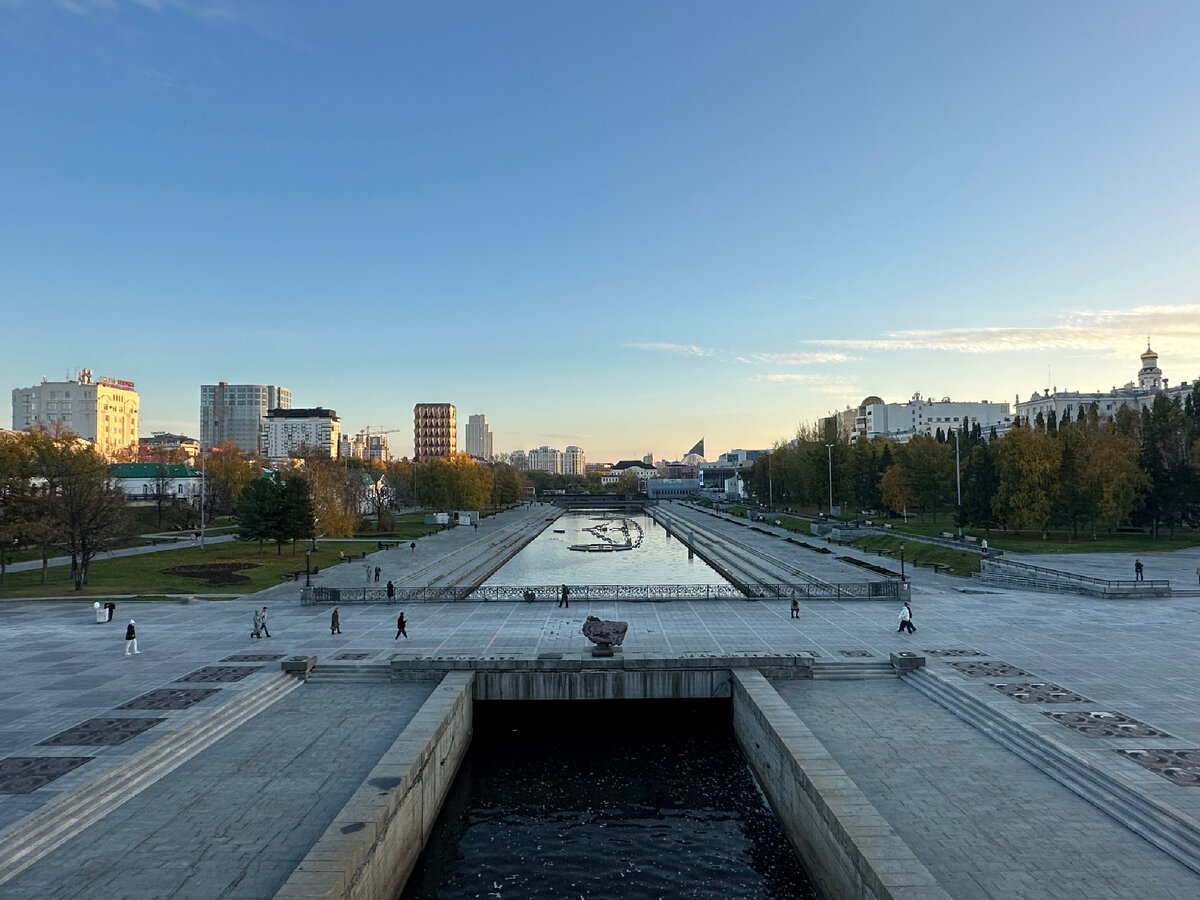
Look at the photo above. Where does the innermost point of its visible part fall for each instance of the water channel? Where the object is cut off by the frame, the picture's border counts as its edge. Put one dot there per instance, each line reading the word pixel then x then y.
pixel 607 800
pixel 654 558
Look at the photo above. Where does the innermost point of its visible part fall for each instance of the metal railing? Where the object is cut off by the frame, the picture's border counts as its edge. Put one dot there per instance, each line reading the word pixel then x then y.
pixel 868 590
pixel 1028 575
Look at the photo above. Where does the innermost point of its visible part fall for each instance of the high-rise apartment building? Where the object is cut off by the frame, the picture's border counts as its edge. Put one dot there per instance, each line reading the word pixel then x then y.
pixel 235 412
pixel 104 411
pixel 519 461
pixel 435 431
pixel 546 459
pixel 286 431
pixel 574 461
pixel 479 437
pixel 365 445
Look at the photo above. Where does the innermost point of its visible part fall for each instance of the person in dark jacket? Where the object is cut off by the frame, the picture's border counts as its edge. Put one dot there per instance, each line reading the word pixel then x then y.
pixel 562 600
pixel 335 626
pixel 391 593
pixel 400 626
pixel 131 639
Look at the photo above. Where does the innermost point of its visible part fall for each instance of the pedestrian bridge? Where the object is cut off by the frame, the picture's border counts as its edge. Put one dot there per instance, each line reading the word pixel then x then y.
pixel 595 501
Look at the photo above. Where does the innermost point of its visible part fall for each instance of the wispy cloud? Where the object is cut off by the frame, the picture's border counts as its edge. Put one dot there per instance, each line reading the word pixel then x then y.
pixel 1107 330
pixel 771 359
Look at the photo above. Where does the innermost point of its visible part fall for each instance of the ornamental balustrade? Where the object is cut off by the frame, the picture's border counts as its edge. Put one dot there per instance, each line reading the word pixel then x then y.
pixel 867 590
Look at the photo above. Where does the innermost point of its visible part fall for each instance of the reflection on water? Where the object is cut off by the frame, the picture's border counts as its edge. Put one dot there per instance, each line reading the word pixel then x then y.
pixel 606 799
pixel 655 557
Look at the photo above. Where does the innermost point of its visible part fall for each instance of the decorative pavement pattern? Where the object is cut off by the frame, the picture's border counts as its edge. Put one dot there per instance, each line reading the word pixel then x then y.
pixel 354 656
pixel 254 657
pixel 1106 725
pixel 170 698
pixel 25 774
pixel 1181 767
pixel 857 653
pixel 1039 692
pixel 210 674
pixel 101 732
pixel 954 653
pixel 991 668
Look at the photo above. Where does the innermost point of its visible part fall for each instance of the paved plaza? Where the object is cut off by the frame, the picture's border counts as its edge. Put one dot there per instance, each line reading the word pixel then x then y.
pixel 980 818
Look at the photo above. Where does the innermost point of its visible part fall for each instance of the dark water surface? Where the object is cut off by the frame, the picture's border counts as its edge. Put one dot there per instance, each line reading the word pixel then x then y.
pixel 607 799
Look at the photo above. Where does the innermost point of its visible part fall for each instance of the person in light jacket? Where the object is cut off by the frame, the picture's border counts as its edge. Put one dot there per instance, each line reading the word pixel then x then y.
pixel 131 639
pixel 906 617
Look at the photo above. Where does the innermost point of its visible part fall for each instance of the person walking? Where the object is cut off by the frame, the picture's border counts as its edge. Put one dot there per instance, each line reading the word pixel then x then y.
pixel 1197 581
pixel 413 547
pixel 401 624
pixel 562 600
pixel 906 618
pixel 131 639
pixel 377 571
pixel 335 627
pixel 795 608
pixel 257 632
pixel 1137 570
pixel 263 621
pixel 391 593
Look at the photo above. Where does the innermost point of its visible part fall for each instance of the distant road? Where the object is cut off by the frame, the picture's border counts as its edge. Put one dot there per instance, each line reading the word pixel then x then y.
pixel 34 564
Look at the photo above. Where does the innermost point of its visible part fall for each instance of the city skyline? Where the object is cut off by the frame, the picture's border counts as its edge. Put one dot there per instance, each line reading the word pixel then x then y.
pixel 621 227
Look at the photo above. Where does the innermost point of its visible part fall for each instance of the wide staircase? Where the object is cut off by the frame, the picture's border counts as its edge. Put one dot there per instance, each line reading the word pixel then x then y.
pixel 1168 829
pixel 350 673
pixel 851 669
pixel 30 839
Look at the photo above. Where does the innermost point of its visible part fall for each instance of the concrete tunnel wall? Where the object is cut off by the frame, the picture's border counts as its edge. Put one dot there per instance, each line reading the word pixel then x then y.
pixel 371 848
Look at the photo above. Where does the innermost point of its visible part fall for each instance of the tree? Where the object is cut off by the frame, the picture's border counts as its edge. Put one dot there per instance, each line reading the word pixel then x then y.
pixel 507 485
pixel 1028 461
pixel 980 483
pixel 257 509
pixel 89 512
pixel 930 469
pixel 335 506
pixel 895 489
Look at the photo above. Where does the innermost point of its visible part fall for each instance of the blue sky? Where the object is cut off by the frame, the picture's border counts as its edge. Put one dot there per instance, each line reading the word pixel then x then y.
pixel 621 225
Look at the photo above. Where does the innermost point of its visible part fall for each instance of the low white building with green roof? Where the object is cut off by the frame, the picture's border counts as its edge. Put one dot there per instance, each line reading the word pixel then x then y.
pixel 146 480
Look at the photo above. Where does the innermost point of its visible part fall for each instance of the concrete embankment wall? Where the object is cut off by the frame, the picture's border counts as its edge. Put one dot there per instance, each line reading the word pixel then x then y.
pixel 370 849
pixel 848 847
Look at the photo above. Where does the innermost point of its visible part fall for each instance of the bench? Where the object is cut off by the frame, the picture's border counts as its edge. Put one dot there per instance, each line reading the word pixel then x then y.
pixel 938 568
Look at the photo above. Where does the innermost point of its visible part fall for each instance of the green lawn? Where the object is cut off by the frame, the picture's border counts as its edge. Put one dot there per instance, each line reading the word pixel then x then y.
pixel 145 574
pixel 961 562
pixel 1057 541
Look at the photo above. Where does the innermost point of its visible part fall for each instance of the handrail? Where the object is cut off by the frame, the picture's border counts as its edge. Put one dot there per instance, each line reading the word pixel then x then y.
pixel 989 565
pixel 864 590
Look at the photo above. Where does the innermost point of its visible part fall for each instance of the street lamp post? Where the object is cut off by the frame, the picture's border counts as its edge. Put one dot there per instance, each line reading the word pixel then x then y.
pixel 203 494
pixel 902 578
pixel 829 449
pixel 307 568
pixel 958 474
pixel 770 480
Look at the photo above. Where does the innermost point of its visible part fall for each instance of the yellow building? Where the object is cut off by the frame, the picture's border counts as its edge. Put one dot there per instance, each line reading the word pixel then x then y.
pixel 104 411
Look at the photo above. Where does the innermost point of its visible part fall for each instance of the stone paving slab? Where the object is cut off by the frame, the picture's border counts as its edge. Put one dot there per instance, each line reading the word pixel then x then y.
pixel 986 823
pixel 1137 658
pixel 237 819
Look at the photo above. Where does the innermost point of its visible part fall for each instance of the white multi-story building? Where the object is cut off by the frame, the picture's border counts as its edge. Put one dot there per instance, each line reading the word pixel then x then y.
pixel 1137 395
pixel 235 412
pixel 286 431
pixel 519 461
pixel 574 461
pixel 479 437
pixel 546 459
pixel 365 445
pixel 104 411
pixel 902 421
